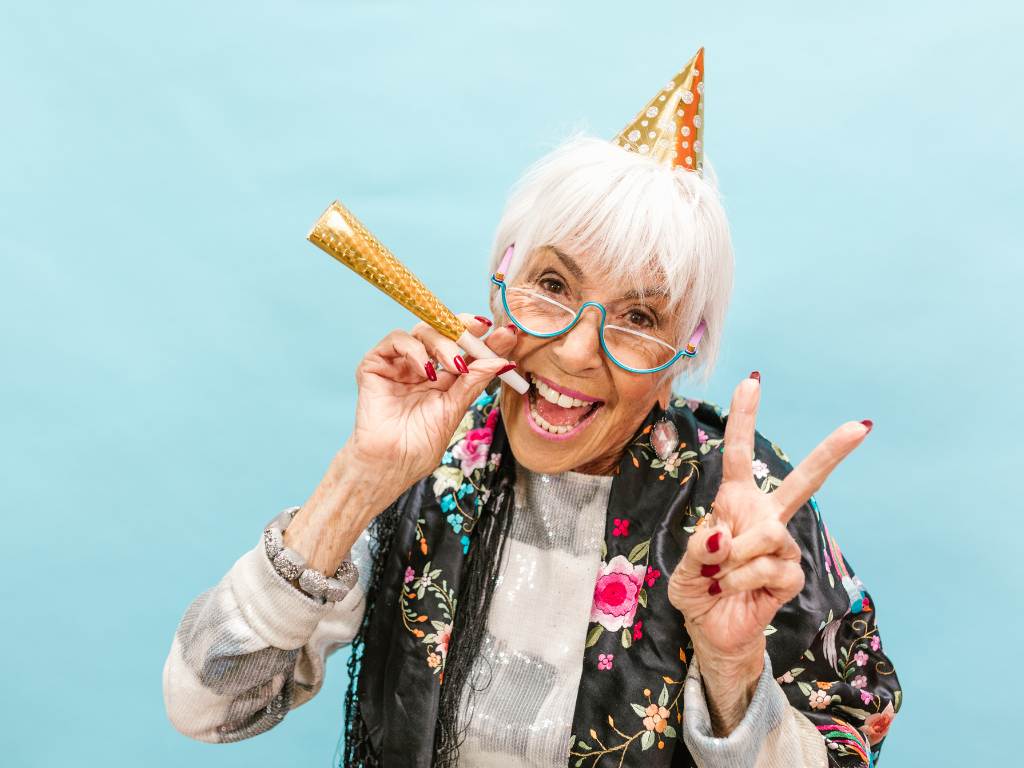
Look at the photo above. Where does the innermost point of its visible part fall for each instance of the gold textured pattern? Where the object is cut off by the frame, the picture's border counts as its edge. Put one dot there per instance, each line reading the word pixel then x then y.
pixel 344 237
pixel 670 128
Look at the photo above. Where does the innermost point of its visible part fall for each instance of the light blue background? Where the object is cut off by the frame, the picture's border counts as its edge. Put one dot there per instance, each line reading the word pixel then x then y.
pixel 177 360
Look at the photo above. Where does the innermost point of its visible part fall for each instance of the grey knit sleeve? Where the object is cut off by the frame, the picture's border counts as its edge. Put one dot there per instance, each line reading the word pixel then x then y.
pixel 254 647
pixel 772 734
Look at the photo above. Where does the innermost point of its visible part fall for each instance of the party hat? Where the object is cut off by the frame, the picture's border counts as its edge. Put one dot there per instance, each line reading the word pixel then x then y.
pixel 671 127
pixel 344 237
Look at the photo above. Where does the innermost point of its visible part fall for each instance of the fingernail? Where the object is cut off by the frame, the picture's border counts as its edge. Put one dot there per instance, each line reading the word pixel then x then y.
pixel 714 541
pixel 431 373
pixel 868 423
pixel 512 327
pixel 483 320
pixel 715 588
pixel 755 375
pixel 460 364
pixel 506 369
pixel 709 570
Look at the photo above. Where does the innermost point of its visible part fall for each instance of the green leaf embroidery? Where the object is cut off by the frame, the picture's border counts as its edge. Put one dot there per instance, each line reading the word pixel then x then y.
pixel 805 688
pixel 670 732
pixel 897 699
pixel 647 740
pixel 642 598
pixel 639 552
pixel 769 630
pixel 639 710
pixel 854 711
pixel 627 639
pixel 809 655
pixel 594 635
pixel 663 696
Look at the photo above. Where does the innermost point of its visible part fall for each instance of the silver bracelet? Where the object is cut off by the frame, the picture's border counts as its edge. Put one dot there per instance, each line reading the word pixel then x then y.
pixel 292 566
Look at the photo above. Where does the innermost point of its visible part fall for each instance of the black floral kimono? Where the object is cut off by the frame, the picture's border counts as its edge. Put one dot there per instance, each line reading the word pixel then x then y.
pixel 824 645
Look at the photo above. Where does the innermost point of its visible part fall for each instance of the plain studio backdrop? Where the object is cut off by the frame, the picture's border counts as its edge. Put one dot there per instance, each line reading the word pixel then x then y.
pixel 178 361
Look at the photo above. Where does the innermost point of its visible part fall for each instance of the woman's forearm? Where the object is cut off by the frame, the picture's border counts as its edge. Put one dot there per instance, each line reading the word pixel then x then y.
pixel 338 511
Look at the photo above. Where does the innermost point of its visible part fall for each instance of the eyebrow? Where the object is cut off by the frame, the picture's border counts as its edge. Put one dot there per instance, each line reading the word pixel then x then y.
pixel 577 271
pixel 570 263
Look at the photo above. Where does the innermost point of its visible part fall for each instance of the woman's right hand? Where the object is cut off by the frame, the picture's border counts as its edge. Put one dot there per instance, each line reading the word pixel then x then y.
pixel 406 410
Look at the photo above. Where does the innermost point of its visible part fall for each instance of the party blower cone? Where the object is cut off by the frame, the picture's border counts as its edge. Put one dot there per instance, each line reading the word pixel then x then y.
pixel 344 237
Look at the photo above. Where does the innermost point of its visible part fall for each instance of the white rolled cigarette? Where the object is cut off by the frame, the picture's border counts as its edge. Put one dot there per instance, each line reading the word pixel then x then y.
pixel 474 346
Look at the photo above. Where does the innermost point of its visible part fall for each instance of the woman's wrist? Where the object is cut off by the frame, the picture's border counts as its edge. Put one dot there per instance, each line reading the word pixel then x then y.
pixel 729 685
pixel 338 511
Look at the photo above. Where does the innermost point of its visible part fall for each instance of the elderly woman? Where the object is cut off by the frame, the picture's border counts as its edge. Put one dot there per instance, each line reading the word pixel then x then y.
pixel 595 573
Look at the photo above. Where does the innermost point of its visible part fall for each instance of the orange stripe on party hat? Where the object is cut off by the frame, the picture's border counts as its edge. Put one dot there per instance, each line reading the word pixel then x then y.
pixel 670 128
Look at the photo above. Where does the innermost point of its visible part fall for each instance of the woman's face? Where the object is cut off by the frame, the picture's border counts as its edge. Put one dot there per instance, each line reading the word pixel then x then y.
pixel 599 405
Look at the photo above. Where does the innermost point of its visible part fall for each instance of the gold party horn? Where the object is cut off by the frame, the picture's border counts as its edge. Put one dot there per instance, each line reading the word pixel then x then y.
pixel 344 237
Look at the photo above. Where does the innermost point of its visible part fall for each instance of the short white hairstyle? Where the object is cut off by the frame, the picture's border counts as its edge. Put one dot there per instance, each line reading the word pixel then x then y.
pixel 631 219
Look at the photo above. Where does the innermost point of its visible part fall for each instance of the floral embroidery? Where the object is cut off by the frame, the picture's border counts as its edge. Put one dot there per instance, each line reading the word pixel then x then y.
pixel 621 527
pixel 653 574
pixel 638 630
pixel 410 574
pixel 877 725
pixel 760 469
pixel 654 727
pixel 428 584
pixel 616 593
pixel 605 660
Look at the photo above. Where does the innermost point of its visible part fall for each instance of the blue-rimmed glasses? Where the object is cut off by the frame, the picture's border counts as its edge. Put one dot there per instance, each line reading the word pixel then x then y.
pixel 631 349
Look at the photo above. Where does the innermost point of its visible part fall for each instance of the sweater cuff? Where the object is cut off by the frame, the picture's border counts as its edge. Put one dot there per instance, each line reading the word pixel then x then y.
pixel 740 748
pixel 277 611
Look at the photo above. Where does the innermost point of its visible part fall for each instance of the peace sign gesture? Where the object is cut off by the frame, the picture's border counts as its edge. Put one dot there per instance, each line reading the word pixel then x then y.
pixel 739 570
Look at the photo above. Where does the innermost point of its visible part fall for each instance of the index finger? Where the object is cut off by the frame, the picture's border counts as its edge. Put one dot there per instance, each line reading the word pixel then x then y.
pixel 804 481
pixel 738 453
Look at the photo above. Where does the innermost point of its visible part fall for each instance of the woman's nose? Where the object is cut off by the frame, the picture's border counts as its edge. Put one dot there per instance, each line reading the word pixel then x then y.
pixel 579 350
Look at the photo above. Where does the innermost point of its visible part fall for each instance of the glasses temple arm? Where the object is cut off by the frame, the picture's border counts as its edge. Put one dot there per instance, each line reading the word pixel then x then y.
pixel 691 345
pixel 505 261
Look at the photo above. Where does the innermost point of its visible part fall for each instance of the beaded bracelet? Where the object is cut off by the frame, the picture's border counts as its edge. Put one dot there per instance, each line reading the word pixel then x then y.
pixel 291 565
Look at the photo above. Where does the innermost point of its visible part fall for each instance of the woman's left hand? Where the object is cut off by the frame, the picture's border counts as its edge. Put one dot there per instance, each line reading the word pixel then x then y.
pixel 738 571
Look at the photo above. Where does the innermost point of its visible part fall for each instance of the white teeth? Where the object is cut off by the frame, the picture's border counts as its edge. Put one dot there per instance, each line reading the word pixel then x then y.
pixel 557 398
pixel 546 425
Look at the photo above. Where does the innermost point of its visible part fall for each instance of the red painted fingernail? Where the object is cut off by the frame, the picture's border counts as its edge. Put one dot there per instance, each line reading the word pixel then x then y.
pixel 460 364
pixel 715 588
pixel 756 375
pixel 506 369
pixel 709 570
pixel 513 327
pixel 868 423
pixel 483 320
pixel 431 373
pixel 713 542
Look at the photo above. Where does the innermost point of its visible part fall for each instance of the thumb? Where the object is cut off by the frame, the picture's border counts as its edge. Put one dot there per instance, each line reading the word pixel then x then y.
pixel 467 387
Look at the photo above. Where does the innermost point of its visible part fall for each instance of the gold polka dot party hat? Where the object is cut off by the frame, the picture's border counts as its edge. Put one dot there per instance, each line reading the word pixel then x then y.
pixel 670 129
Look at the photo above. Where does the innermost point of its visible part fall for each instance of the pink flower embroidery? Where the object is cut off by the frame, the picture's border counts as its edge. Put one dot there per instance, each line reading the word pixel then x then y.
pixel 877 725
pixel 410 574
pixel 860 658
pixel 876 643
pixel 702 436
pixel 472 450
pixel 444 636
pixel 616 593
pixel 859 681
pixel 605 660
pixel 652 576
pixel 866 697
pixel 638 630
pixel 620 527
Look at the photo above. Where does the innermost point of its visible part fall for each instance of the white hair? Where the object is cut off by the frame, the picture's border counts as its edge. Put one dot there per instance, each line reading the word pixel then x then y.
pixel 631 219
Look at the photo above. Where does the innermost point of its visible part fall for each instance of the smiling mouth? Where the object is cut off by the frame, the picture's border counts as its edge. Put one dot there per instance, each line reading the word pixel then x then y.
pixel 555 413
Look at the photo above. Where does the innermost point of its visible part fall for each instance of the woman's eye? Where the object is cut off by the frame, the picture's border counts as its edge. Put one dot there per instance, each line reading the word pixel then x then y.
pixel 640 319
pixel 552 285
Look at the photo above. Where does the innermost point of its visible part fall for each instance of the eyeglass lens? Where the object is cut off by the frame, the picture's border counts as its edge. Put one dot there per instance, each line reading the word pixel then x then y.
pixel 541 315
